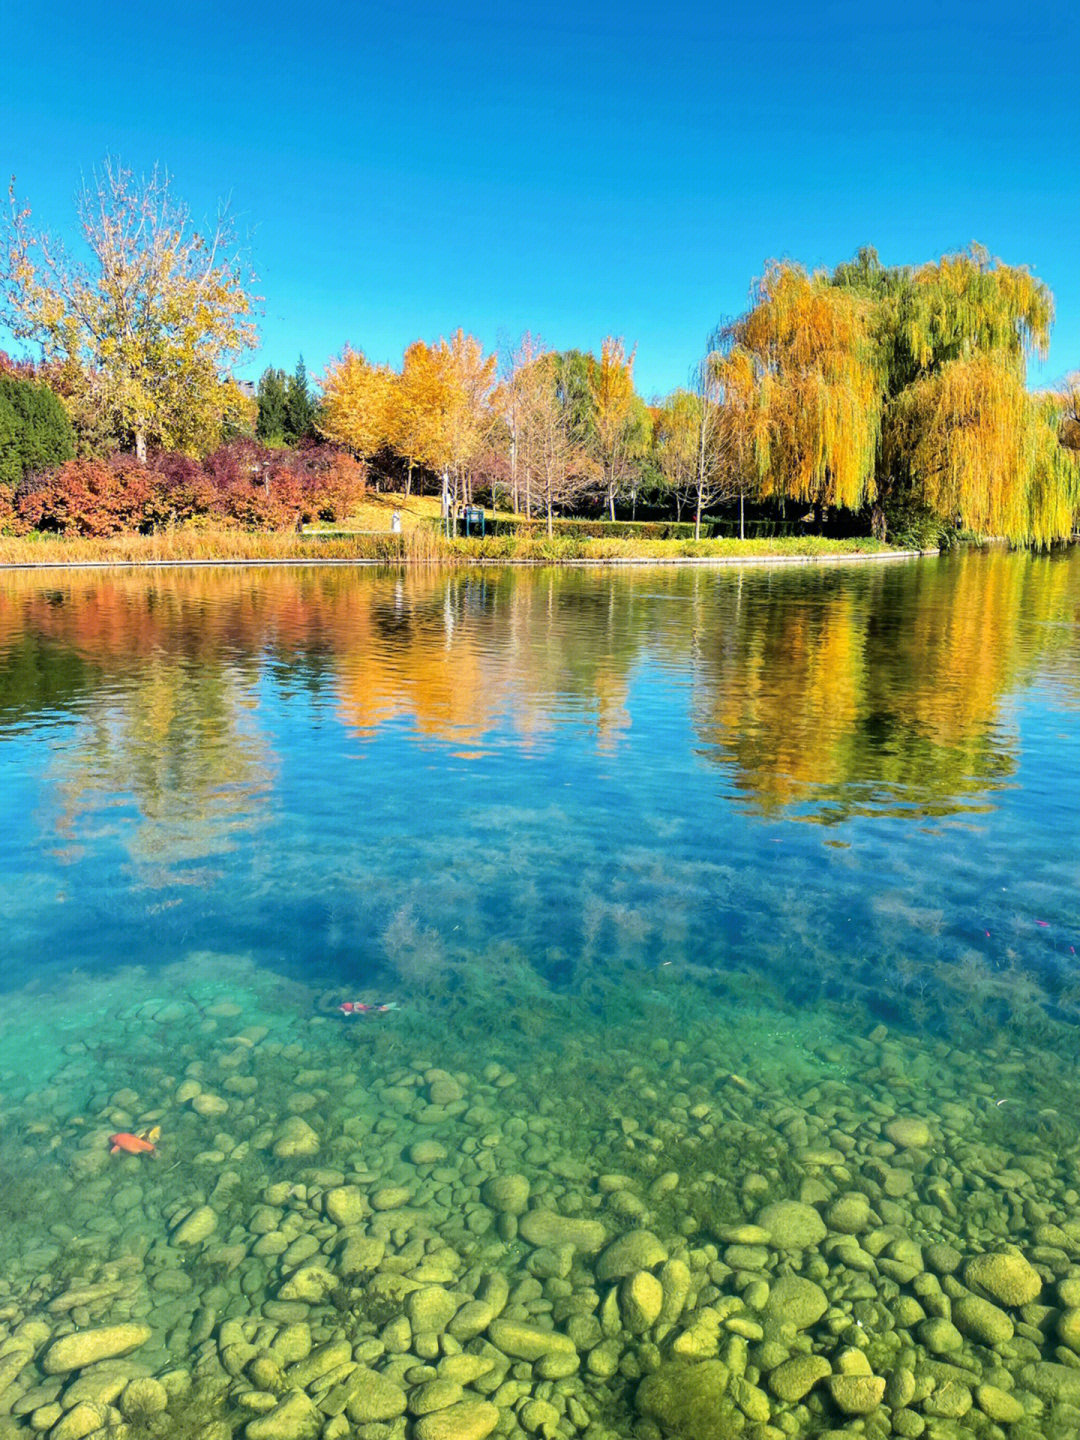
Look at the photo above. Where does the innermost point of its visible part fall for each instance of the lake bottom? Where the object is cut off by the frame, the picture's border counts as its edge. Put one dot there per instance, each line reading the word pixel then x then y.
pixel 657 1207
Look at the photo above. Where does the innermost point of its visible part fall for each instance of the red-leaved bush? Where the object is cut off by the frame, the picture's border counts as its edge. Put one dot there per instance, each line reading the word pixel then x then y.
pixel 242 484
pixel 88 497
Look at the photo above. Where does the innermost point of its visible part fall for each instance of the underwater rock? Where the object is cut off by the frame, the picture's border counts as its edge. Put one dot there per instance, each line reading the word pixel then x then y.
pixel 195 1228
pixel 508 1194
pixel 438 1394
pixel 849 1214
pixel 1005 1277
pixel 143 1396
pixel 345 1205
pixel 999 1405
pixel 636 1250
pixel 81 1420
pixel 796 1301
pixel 295 1139
pixel 984 1322
pixel 427 1152
pixel 374 1397
pixel 527 1342
pixel 641 1297
pixel 791 1225
pixel 545 1228
pixel 689 1398
pixel 431 1308
pixel 795 1378
pixel 294 1418
pixel 470 1420
pixel 909 1132
pixel 856 1394
pixel 86 1347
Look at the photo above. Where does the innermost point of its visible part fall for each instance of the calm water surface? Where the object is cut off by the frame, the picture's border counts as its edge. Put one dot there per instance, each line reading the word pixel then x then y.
pixel 668 873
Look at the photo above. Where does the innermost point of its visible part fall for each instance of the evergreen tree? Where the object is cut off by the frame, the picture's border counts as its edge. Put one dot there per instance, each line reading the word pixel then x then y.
pixel 299 406
pixel 271 395
pixel 35 432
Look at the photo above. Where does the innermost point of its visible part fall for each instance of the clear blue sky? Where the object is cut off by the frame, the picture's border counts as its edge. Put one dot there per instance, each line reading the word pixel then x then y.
pixel 626 169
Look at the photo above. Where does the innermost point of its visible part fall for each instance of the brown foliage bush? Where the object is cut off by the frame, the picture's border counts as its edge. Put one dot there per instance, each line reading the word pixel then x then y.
pixel 88 497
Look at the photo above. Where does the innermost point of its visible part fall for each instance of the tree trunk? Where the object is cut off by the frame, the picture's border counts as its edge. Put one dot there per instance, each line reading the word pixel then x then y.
pixel 550 527
pixel 742 516
pixel 878 524
pixel 140 446
pixel 408 480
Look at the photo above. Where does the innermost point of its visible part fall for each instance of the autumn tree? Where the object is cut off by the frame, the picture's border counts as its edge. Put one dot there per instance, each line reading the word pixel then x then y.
pixel 960 433
pixel 556 466
pixel 620 421
pixel 416 404
pixel 466 416
pixel 143 329
pixel 356 401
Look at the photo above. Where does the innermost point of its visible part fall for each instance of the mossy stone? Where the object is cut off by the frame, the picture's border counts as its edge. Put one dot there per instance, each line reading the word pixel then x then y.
pixel 1005 1277
pixel 469 1420
pixel 940 1336
pixel 999 1405
pixel 795 1301
pixel 795 1378
pixel 856 1394
pixel 688 1399
pixel 636 1250
pixel 909 1132
pixel 983 1321
pixel 792 1225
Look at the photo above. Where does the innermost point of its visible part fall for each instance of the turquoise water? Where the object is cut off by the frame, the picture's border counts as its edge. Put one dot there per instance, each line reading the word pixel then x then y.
pixel 684 886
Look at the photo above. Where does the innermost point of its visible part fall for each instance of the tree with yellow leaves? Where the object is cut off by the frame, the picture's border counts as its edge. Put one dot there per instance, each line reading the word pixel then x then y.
pixel 356 403
pixel 142 334
pixel 619 421
pixel 905 387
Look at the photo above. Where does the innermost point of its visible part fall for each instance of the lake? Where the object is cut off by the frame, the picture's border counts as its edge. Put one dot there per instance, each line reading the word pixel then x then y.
pixel 562 1002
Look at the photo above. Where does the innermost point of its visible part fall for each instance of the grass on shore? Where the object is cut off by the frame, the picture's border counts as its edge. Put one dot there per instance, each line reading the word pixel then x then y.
pixel 367 536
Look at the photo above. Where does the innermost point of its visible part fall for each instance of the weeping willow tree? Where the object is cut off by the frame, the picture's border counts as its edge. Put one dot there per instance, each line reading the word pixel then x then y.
pixel 801 372
pixel 904 387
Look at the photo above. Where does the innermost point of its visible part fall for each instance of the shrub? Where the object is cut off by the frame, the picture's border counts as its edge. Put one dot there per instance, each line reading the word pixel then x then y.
pixel 35 432
pixel 87 497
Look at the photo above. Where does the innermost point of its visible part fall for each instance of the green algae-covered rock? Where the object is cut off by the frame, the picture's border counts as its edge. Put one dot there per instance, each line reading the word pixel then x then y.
pixel 374 1397
pixel 86 1347
pixel 999 1405
pixel 689 1400
pixel 295 1139
pixel 940 1336
pixel 792 1225
pixel 294 1418
pixel 1005 1277
pixel 508 1194
pixel 527 1342
pixel 636 1250
pixel 545 1228
pixel 195 1228
pixel 470 1420
pixel 849 1214
pixel 796 1301
pixel 856 1394
pixel 948 1401
pixel 982 1321
pixel 908 1132
pixel 795 1378
pixel 640 1298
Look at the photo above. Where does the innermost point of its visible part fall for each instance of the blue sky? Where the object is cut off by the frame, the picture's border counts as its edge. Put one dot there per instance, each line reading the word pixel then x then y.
pixel 401 170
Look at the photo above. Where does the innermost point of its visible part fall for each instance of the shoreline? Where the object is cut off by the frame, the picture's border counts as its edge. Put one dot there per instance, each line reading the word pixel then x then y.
pixel 363 562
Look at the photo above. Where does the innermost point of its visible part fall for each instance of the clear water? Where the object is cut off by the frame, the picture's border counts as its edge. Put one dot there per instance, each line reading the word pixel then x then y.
pixel 625 835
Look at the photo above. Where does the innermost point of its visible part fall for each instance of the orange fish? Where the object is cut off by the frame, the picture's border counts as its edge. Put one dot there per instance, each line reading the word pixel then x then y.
pixel 135 1144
